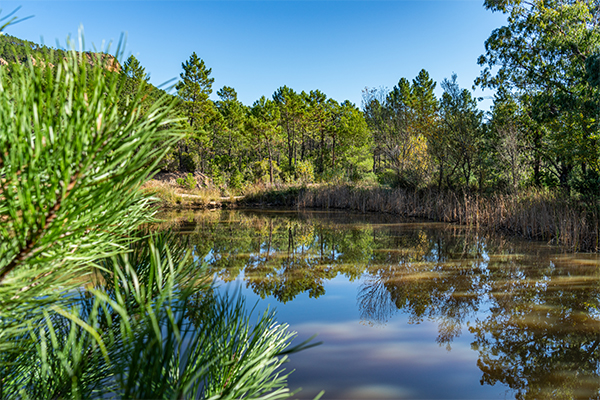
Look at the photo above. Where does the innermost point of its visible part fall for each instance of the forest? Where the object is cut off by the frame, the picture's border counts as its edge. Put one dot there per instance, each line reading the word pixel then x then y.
pixel 541 131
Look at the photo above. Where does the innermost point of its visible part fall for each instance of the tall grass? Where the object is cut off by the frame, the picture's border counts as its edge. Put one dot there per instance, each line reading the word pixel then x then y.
pixel 536 215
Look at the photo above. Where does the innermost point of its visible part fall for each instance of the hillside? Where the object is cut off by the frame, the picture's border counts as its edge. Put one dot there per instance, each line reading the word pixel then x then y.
pixel 13 49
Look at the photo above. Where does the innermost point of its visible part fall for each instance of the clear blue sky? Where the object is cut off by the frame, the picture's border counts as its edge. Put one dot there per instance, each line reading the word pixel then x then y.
pixel 338 47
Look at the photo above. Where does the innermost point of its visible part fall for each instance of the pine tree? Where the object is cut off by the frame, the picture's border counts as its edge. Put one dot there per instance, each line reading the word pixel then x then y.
pixel 263 126
pixel 134 70
pixel 229 140
pixel 194 88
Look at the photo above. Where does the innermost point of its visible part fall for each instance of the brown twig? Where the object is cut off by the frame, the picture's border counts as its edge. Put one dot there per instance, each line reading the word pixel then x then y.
pixel 29 248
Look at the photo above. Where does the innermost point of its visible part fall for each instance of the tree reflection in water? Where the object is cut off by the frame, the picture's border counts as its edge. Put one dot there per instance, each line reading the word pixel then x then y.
pixel 542 334
pixel 375 303
pixel 534 314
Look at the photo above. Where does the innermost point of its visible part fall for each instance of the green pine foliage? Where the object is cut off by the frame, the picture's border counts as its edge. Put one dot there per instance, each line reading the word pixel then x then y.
pixel 89 308
pixel 148 327
pixel 72 161
pixel 13 49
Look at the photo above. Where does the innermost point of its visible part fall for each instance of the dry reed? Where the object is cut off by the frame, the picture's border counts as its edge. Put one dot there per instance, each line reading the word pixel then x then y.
pixel 533 215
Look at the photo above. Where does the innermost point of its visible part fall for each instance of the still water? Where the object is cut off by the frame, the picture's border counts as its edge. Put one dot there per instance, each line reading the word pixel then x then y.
pixel 411 310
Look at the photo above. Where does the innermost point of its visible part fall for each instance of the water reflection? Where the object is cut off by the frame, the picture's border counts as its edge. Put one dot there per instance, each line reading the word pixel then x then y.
pixel 541 336
pixel 532 313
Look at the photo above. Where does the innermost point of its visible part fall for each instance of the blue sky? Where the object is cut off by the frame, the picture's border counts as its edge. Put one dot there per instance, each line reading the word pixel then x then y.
pixel 338 47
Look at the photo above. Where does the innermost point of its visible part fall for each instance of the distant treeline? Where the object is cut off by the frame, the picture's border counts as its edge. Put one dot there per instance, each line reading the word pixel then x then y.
pixel 542 130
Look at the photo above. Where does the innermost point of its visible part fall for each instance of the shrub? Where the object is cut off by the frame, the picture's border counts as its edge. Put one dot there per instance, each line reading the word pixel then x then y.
pixel 305 172
pixel 587 186
pixel 190 181
pixel 260 171
pixel 236 180
pixel 187 162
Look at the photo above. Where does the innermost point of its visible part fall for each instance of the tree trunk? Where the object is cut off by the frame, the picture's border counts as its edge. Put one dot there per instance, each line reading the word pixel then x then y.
pixel 333 151
pixel 321 151
pixel 270 163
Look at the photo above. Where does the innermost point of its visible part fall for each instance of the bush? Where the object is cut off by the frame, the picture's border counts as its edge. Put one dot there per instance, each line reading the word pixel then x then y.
pixel 587 186
pixel 190 182
pixel 216 175
pixel 361 171
pixel 261 171
pixel 236 180
pixel 169 163
pixel 388 178
pixel 331 175
pixel 187 162
pixel 369 178
pixel 305 172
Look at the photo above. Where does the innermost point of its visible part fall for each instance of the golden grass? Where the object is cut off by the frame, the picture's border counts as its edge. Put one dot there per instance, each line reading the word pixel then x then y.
pixel 171 196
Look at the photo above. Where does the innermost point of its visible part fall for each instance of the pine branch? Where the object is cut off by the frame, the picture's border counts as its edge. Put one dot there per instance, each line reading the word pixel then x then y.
pixel 29 248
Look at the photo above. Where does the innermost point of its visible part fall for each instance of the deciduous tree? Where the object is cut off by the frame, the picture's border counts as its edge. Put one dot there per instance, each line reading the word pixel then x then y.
pixel 543 54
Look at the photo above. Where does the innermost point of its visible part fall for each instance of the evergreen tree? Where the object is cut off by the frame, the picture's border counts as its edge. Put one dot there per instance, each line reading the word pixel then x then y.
pixel 319 113
pixel 194 88
pixel 461 130
pixel 290 111
pixel 263 124
pixel 424 103
pixel 399 122
pixel 351 140
pixel 229 142
pixel 134 70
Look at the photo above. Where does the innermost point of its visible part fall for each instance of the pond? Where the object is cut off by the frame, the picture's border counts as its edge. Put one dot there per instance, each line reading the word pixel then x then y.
pixel 415 310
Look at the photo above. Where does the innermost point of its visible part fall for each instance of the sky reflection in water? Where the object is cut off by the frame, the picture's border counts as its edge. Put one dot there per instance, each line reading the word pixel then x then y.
pixel 411 310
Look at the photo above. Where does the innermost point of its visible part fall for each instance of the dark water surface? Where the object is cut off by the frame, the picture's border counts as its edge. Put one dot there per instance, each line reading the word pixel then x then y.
pixel 414 310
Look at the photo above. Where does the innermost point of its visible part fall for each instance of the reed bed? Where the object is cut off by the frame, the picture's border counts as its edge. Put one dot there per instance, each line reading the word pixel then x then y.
pixel 533 215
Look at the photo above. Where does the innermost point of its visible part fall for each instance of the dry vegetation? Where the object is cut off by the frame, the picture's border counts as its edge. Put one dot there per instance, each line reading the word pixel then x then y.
pixel 170 195
pixel 536 215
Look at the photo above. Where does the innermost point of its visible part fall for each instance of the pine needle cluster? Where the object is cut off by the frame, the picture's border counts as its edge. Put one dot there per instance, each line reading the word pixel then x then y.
pixel 88 308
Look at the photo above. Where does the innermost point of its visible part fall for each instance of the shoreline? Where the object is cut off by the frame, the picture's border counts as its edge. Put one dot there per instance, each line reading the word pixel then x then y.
pixel 532 215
